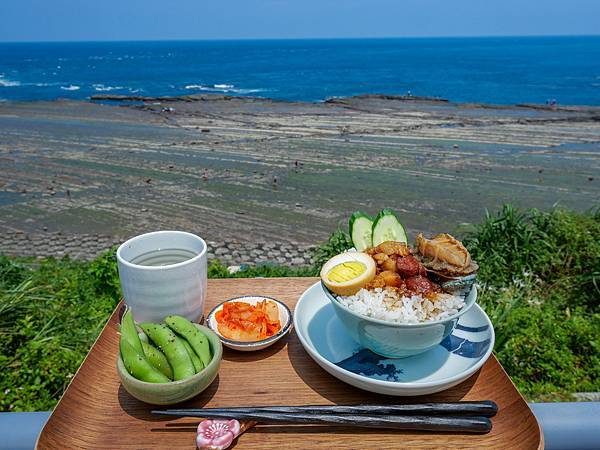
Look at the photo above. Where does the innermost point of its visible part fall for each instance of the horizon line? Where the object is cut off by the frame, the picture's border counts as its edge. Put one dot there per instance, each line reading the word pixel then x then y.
pixel 488 36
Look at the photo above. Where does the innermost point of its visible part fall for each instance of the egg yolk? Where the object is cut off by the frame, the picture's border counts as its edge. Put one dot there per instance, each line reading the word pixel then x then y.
pixel 346 271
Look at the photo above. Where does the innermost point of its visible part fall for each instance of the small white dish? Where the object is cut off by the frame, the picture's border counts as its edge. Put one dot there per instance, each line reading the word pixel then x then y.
pixel 325 339
pixel 285 318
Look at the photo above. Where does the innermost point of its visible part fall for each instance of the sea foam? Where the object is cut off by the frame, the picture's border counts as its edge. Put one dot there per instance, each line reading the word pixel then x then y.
pixel 103 88
pixel 221 88
pixel 71 87
pixel 8 83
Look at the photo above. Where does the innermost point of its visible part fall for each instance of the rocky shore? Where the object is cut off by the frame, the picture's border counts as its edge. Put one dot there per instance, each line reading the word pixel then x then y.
pixel 89 246
pixel 252 170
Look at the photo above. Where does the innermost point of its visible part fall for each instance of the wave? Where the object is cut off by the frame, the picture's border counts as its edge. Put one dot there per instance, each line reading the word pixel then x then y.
pixel 225 88
pixel 103 88
pixel 197 86
pixel 247 91
pixel 4 82
pixel 11 83
pixel 71 87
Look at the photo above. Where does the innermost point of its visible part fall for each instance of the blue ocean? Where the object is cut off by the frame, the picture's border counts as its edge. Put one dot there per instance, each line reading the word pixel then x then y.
pixel 505 70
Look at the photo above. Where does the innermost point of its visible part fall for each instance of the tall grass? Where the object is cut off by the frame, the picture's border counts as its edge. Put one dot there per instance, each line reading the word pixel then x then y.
pixel 553 245
pixel 539 283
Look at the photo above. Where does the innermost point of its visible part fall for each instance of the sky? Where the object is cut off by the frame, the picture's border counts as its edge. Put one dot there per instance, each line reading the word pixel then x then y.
pixel 91 20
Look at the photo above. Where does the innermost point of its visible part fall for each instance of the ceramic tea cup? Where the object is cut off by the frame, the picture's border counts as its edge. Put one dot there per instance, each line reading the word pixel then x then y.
pixel 163 273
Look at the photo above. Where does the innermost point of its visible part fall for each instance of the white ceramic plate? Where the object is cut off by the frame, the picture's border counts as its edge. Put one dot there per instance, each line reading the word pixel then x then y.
pixel 285 318
pixel 458 357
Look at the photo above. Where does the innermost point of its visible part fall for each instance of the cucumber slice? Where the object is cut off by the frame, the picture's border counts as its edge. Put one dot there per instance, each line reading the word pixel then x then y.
pixel 387 227
pixel 361 228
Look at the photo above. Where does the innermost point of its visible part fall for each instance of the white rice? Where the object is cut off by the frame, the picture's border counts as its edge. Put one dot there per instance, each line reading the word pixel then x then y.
pixel 390 306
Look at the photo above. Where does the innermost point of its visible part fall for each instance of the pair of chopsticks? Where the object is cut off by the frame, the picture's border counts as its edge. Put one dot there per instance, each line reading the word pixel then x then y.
pixel 465 417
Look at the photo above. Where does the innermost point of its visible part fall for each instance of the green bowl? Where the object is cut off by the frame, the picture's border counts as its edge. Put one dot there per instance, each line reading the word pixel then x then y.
pixel 175 391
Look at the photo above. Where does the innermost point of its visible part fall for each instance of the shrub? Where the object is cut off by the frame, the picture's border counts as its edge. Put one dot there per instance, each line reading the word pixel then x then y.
pixel 539 284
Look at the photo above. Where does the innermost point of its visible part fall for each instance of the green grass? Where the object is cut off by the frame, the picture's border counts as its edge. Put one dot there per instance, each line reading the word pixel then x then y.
pixel 539 282
pixel 50 314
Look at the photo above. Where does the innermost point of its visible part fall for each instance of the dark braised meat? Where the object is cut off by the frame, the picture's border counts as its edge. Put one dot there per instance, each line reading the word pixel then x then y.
pixel 409 266
pixel 386 254
pixel 422 285
pixel 395 264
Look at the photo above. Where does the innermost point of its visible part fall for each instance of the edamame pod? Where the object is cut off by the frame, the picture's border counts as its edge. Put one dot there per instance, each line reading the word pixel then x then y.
pixel 155 356
pixel 129 332
pixel 173 349
pixel 193 335
pixel 137 364
pixel 157 359
pixel 198 366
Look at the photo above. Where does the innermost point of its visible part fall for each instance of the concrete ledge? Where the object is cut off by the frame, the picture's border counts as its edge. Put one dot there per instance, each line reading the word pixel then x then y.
pixel 569 426
pixel 89 246
pixel 19 430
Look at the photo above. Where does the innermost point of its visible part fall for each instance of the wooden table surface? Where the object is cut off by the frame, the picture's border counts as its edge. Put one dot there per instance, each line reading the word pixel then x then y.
pixel 96 412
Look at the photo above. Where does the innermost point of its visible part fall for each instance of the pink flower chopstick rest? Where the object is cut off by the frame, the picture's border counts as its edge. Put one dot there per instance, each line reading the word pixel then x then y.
pixel 217 434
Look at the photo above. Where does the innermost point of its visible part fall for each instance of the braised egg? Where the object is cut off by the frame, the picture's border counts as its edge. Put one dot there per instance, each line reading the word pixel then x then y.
pixel 347 273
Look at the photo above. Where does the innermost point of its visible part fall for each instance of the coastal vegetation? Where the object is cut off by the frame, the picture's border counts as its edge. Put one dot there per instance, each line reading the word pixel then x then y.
pixel 539 283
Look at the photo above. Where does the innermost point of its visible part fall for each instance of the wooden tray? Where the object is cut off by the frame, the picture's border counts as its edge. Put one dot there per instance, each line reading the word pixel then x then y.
pixel 96 412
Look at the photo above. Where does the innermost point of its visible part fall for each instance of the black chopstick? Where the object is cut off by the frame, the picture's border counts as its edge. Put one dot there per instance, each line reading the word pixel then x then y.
pixel 464 424
pixel 486 408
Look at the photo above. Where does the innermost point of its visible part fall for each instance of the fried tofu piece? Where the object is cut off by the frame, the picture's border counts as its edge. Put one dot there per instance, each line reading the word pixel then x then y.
pixel 393 248
pixel 391 279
